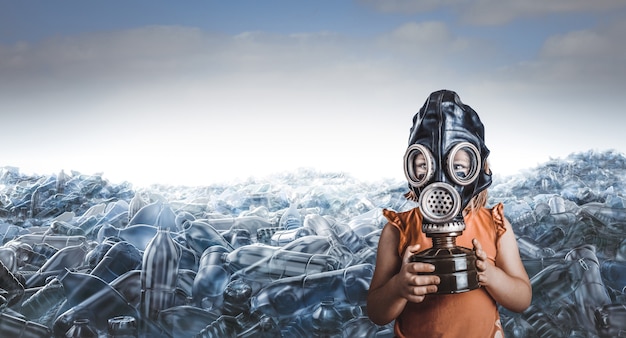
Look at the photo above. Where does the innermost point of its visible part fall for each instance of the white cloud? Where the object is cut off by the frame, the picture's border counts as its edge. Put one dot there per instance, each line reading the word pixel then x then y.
pixel 409 6
pixel 589 60
pixel 496 12
pixel 145 103
pixel 423 33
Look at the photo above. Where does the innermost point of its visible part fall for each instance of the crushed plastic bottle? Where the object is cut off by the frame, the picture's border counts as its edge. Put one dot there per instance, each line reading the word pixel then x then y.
pixel 11 326
pixel 119 259
pixel 288 296
pixel 11 284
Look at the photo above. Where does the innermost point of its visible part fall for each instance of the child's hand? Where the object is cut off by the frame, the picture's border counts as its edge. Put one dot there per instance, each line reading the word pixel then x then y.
pixel 415 287
pixel 482 264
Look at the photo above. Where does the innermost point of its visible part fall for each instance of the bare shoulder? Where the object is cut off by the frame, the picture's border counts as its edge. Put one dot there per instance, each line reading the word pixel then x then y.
pixel 388 244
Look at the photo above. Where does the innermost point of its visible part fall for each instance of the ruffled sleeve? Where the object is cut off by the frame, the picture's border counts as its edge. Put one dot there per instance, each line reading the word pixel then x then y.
pixel 408 224
pixel 497 213
pixel 392 217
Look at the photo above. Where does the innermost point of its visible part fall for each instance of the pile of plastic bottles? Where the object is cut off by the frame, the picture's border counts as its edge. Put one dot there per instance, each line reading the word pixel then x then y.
pixel 290 255
pixel 569 217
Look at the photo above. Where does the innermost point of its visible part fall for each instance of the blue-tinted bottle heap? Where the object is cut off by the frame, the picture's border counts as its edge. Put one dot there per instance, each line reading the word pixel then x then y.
pixel 81 257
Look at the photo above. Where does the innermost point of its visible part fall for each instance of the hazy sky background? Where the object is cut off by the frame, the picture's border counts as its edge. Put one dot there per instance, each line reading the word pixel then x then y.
pixel 199 92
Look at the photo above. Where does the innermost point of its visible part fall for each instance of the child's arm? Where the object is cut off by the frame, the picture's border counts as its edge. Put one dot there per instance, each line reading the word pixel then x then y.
pixel 506 281
pixel 395 280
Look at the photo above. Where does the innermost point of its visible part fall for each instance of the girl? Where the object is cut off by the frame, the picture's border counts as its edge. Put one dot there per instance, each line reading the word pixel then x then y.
pixel 447 171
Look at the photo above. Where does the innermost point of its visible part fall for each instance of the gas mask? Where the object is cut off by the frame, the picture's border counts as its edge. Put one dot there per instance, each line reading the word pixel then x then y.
pixel 444 166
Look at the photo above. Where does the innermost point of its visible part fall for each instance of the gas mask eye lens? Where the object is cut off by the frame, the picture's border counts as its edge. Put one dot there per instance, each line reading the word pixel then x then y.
pixel 464 163
pixel 418 165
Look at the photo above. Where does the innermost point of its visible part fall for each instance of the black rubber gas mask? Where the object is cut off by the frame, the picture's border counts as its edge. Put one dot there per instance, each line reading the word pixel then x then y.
pixel 444 165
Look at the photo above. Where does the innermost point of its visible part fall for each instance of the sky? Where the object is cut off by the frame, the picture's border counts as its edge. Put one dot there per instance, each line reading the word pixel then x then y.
pixel 202 92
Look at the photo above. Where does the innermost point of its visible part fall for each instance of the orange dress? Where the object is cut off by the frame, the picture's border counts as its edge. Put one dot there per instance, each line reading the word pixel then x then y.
pixel 469 314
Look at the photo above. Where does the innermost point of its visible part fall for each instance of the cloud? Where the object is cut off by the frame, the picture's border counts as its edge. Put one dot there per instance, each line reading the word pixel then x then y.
pixel 149 102
pixel 497 12
pixel 409 6
pixel 434 42
pixel 587 60
pixel 207 106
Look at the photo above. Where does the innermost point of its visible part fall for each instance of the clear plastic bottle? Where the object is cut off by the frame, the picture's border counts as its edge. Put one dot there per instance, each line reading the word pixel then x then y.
pixel 613 218
pixel 543 324
pixel 61 180
pixel 324 245
pixel 129 286
pixel 200 235
pixel 283 264
pixel 264 235
pixel 43 249
pixel 591 292
pixel 58 242
pixel 81 328
pixel 534 265
pixel 119 259
pixel 11 326
pixel 78 287
pixel 326 320
pixel 252 325
pixel 291 218
pixel 246 256
pixel 611 320
pixel 186 320
pixel 211 279
pixel 95 255
pixel 283 237
pixel 621 251
pixel 89 225
pixel 135 204
pixel 9 283
pixel 98 307
pixel 240 238
pixel 236 298
pixel 9 232
pixel 149 213
pixel 189 259
pixel 159 272
pixel 518 327
pixel 557 204
pixel 360 326
pixel 555 283
pixel 520 214
pixel 347 236
pixel 65 228
pixel 122 327
pixel 551 237
pixel 66 258
pixel 313 244
pixel 223 327
pixel 320 225
pixel 138 235
pixel 9 259
pixel 287 297
pixel 43 300
pixel 613 273
pixel 183 216
pixel 528 248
